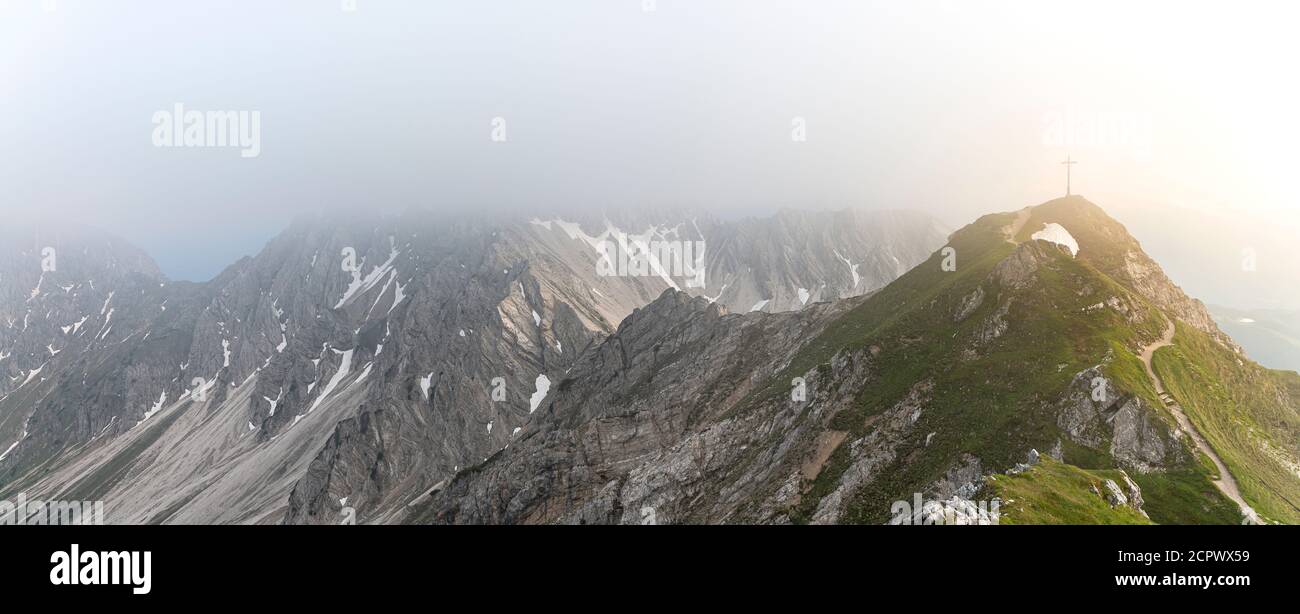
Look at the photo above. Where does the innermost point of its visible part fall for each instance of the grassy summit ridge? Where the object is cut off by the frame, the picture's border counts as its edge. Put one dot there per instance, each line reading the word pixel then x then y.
pixel 999 373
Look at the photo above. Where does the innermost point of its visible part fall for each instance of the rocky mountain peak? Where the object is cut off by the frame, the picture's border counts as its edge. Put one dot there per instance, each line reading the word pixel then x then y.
pixel 1107 245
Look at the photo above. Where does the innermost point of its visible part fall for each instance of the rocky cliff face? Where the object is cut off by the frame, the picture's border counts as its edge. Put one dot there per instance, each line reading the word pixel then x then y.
pixel 781 263
pixel 827 415
pixel 650 427
pixel 1094 412
pixel 363 360
pixel 66 293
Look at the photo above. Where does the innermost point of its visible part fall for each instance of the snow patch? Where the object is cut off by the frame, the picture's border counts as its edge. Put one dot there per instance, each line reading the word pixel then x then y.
pixel 10 449
pixel 715 299
pixel 425 383
pixel 1056 233
pixel 364 373
pixel 274 402
pixel 398 295
pixel 76 326
pixel 543 386
pixel 363 285
pixel 345 365
pixel 853 268
pixel 33 374
pixel 162 398
pixel 103 330
pixel 634 244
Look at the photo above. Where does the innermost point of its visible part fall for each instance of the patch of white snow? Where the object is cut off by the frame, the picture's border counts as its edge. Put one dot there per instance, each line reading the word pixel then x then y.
pixel 1057 234
pixel 543 386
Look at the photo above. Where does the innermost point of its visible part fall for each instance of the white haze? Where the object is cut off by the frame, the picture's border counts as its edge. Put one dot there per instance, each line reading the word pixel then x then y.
pixel 942 106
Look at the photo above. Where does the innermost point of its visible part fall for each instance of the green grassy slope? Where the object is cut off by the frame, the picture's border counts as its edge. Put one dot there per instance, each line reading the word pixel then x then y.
pixel 1246 412
pixel 1056 493
pixel 996 403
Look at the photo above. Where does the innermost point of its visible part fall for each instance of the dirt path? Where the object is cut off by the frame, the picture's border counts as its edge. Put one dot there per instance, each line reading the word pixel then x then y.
pixel 1226 483
pixel 823 447
pixel 1022 216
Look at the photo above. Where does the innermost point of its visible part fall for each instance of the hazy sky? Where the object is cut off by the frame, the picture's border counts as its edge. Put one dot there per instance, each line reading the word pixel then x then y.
pixel 958 108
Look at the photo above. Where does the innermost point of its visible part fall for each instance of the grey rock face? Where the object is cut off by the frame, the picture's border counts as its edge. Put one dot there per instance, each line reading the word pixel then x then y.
pixel 1140 439
pixel 1133 493
pixel 660 417
pixel 1031 459
pixel 1114 495
pixel 65 293
pixel 796 258
pixel 995 325
pixel 1093 412
pixel 1127 494
pixel 361 360
pixel 1017 270
pixel 1057 452
pixel 781 263
pixel 1150 281
pixel 969 304
pixel 875 450
pixel 962 480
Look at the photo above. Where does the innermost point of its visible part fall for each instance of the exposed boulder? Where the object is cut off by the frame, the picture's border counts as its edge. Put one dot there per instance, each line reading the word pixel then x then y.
pixel 1114 495
pixel 1133 491
pixel 1128 494
pixel 1093 412
pixel 995 326
pixel 969 304
pixel 1018 270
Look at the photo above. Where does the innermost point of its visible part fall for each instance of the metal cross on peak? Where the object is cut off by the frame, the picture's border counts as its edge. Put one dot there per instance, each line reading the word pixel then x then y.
pixel 1068 163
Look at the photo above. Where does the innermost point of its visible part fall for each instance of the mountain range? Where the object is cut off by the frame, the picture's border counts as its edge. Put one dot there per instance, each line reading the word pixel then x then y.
pixel 809 367
pixel 237 400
